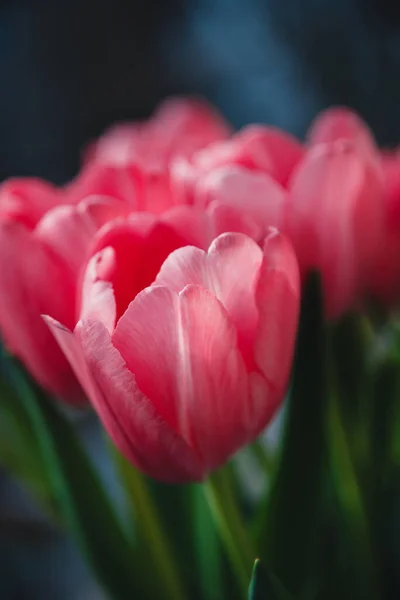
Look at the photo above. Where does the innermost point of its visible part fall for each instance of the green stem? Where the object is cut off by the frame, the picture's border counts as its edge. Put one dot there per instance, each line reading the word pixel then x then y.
pixel 229 522
pixel 151 530
pixel 263 457
pixel 352 503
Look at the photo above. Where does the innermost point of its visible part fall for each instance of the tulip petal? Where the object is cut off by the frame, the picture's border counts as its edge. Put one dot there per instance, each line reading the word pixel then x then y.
pixel 98 300
pixel 69 230
pixel 278 298
pixel 340 123
pixel 26 199
pixel 256 195
pixel 128 416
pixel 33 282
pixel 335 219
pixel 141 244
pixel 230 271
pixel 182 350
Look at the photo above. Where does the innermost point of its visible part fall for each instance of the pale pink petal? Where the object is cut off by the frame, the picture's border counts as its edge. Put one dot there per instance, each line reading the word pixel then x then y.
pixel 229 270
pixel 182 350
pixel 194 225
pixel 98 301
pixel 335 218
pixel 278 298
pixel 257 195
pixel 340 123
pixel 127 415
pixel 226 218
pixel 269 150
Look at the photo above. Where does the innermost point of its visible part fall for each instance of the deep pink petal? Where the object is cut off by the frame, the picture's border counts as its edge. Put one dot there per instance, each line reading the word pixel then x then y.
pixel 127 415
pixel 69 230
pixel 26 200
pixel 182 350
pixel 33 282
pixel 107 181
pixel 141 244
pixel 277 298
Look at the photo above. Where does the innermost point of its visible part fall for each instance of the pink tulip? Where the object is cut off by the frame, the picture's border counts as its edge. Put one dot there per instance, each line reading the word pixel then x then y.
pixel 26 200
pixel 133 159
pixel 335 219
pixel 256 148
pixel 41 254
pixel 194 366
pixel 340 123
pixel 385 280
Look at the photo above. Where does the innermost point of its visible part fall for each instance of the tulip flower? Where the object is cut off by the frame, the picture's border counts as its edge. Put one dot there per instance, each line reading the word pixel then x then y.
pixel 26 200
pixel 335 219
pixel 256 148
pixel 340 123
pixel 131 161
pixel 385 280
pixel 196 364
pixel 41 253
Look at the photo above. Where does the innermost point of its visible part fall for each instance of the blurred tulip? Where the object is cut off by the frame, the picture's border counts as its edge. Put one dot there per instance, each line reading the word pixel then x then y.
pixel 41 253
pixel 26 199
pixel 340 123
pixel 335 219
pixel 131 161
pixel 385 281
pixel 195 366
pixel 256 148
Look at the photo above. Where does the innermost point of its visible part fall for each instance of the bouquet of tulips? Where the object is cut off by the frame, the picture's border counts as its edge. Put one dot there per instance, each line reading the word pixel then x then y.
pixel 188 285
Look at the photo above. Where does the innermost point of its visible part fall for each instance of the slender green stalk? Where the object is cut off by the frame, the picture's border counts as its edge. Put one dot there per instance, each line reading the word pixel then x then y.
pixel 263 457
pixel 151 530
pixel 229 521
pixel 208 547
pixel 353 504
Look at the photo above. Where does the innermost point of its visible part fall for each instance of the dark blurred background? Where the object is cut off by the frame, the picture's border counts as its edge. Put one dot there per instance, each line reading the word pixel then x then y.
pixel 69 69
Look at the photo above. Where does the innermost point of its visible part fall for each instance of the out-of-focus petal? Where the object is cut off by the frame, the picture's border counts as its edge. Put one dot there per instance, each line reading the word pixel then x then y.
pixel 257 195
pixel 335 219
pixel 98 300
pixel 26 200
pixel 33 282
pixel 340 123
pixel 69 230
pixel 277 299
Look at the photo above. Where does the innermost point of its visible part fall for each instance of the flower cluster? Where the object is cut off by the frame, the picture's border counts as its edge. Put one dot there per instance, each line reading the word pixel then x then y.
pixel 163 283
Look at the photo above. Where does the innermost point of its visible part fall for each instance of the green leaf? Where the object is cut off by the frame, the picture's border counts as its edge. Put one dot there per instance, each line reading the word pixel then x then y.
pixel 150 534
pixel 289 536
pixel 229 521
pixel 19 451
pixel 81 499
pixel 358 575
pixel 208 555
pixel 265 586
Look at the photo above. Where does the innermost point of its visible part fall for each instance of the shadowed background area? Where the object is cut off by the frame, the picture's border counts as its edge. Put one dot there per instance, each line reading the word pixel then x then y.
pixel 70 69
